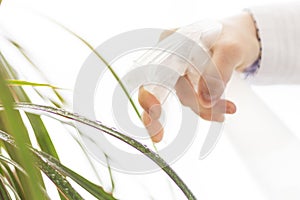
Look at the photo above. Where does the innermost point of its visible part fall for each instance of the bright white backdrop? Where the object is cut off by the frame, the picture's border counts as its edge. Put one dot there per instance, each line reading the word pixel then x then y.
pixel 223 175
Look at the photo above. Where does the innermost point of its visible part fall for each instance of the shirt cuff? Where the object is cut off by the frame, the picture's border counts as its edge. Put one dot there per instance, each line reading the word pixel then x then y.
pixel 279 32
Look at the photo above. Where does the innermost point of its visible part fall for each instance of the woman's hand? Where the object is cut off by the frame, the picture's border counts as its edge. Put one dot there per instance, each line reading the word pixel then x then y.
pixel 236 49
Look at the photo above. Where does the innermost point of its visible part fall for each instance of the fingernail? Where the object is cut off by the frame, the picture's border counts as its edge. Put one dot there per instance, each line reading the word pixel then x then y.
pixel 231 109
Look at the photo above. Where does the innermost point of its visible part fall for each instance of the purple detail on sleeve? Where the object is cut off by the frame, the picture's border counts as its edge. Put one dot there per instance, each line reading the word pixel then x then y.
pixel 252 69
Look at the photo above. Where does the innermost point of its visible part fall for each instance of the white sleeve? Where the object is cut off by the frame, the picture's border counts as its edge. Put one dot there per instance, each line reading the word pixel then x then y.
pixel 279 30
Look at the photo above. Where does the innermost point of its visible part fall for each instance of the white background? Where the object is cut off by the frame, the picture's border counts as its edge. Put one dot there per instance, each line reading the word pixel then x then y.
pixel 222 175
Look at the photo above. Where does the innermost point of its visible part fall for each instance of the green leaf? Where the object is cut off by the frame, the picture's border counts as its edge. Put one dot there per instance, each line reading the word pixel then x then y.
pixel 104 61
pixel 110 173
pixel 85 152
pixel 14 124
pixel 62 184
pixel 16 195
pixel 92 188
pixel 13 180
pixel 13 163
pixel 6 171
pixel 107 65
pixel 47 110
pixel 40 131
pixel 37 124
pixel 57 172
pixel 40 73
pixel 27 83
pixel 4 194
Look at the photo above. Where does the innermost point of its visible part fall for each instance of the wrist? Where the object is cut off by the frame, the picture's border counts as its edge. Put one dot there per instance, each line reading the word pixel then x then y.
pixel 249 26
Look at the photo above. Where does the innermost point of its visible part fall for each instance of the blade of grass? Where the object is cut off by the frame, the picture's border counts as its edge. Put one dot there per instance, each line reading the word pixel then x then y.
pixel 115 75
pixel 84 150
pixel 27 83
pixel 7 138
pixel 48 99
pixel 6 171
pixel 12 179
pixel 57 173
pixel 11 162
pixel 4 194
pixel 110 173
pixel 92 188
pixel 107 65
pixel 16 195
pixel 103 60
pixel 18 176
pixel 40 131
pixel 37 124
pixel 62 184
pixel 29 60
pixel 14 123
pixel 32 108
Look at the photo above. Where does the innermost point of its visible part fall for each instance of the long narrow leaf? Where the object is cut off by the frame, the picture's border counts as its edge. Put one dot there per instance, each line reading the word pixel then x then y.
pixel 107 65
pixel 88 157
pixel 64 187
pixel 27 83
pixel 40 73
pixel 15 125
pixel 16 195
pixel 95 190
pixel 13 180
pixel 115 75
pixel 112 132
pixel 110 173
pixel 36 122
pixel 4 194
pixel 57 178
pixel 13 163
pixel 57 172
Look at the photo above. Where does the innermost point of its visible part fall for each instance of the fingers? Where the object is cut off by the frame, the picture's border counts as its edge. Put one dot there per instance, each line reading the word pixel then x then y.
pixel 152 106
pixel 216 113
pixel 210 90
pixel 186 93
pixel 151 115
pixel 154 127
pixel 149 103
pixel 225 58
pixel 206 102
pixel 190 98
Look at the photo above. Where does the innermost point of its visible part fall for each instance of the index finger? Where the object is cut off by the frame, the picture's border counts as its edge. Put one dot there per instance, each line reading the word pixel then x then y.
pixel 149 103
